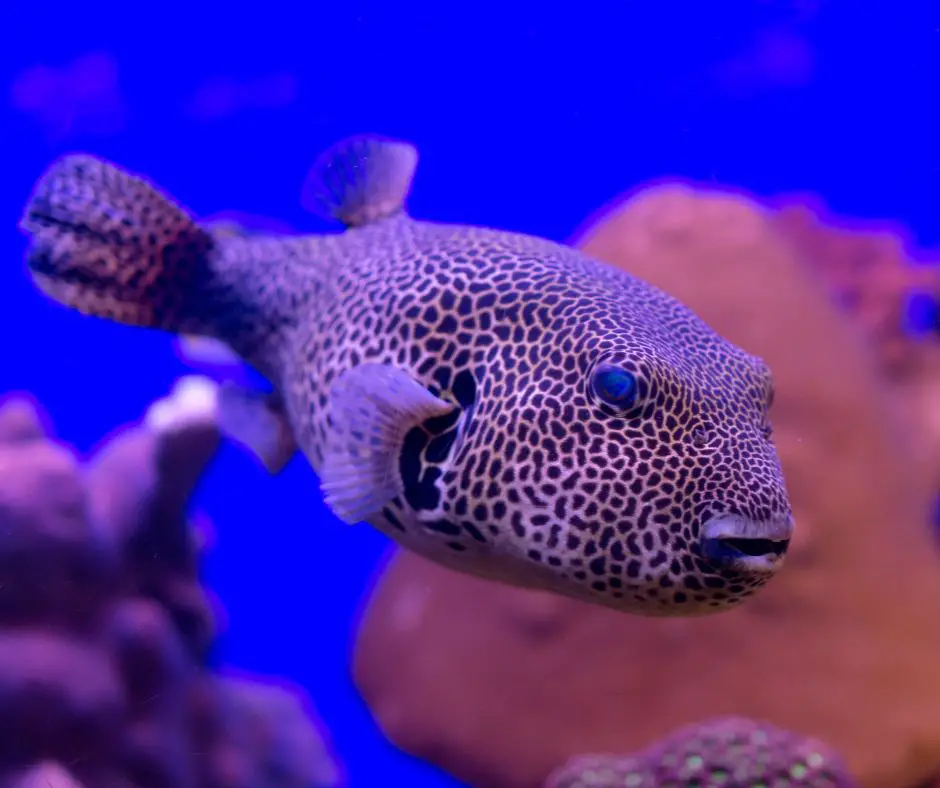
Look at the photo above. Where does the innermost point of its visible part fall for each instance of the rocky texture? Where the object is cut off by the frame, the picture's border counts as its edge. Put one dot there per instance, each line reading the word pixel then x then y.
pixel 727 752
pixel 871 273
pixel 104 625
pixel 500 686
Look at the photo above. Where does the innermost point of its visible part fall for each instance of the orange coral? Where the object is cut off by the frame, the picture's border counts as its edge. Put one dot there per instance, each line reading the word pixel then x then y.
pixel 870 274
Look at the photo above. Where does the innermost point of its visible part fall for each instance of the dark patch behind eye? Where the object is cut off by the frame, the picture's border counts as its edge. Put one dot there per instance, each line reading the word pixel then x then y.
pixel 409 460
pixel 440 424
pixel 440 446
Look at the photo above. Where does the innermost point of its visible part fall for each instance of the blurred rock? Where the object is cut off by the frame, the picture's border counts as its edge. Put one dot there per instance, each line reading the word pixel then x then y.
pixel 46 775
pixel 263 737
pixel 500 686
pixel 140 483
pixel 157 673
pixel 104 624
pixel 20 420
pixel 54 565
pixel 727 752
pixel 871 273
pixel 58 698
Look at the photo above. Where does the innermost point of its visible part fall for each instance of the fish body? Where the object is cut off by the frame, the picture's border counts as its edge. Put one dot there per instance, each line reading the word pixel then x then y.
pixel 499 403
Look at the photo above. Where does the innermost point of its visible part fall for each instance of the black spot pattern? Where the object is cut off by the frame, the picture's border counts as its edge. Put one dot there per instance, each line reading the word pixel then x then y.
pixel 532 478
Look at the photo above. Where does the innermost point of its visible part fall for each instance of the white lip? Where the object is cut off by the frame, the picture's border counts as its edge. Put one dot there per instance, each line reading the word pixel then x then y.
pixel 723 531
pixel 754 564
pixel 733 526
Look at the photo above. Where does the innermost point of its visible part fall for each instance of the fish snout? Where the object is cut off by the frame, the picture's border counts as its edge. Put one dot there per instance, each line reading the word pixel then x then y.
pixel 739 544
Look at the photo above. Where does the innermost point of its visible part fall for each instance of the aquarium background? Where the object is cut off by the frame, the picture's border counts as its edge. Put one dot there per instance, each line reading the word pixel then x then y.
pixel 528 116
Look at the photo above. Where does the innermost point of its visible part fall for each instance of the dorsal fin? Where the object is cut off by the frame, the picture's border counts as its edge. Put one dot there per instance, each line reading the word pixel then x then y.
pixel 361 179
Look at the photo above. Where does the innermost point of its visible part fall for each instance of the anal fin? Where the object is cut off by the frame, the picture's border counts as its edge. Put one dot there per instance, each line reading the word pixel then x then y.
pixel 257 421
pixel 206 350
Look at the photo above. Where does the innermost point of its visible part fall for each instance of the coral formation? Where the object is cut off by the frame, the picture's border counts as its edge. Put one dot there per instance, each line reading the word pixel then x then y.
pixel 872 276
pixel 104 626
pixel 727 752
pixel 500 686
pixel 869 273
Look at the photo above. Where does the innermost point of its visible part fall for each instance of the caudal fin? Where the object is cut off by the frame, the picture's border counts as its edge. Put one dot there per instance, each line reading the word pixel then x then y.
pixel 109 244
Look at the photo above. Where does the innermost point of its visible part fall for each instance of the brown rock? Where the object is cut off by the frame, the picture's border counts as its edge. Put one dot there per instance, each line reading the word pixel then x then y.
pixel 870 274
pixel 499 685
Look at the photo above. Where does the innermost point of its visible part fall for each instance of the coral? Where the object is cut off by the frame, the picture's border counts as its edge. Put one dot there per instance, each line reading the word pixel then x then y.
pixel 500 686
pixel 869 273
pixel 726 752
pixel 104 625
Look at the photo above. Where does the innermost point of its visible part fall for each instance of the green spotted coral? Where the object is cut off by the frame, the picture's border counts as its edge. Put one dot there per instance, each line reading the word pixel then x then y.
pixel 726 752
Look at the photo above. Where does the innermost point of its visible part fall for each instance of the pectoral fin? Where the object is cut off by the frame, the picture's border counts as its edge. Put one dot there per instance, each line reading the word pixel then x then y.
pixel 372 408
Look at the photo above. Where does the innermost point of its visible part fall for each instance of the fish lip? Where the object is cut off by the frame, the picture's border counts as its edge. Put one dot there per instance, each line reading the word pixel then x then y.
pixel 44 217
pixel 38 258
pixel 734 543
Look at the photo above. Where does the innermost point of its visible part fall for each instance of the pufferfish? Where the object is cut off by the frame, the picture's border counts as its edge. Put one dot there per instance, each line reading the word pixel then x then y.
pixel 498 403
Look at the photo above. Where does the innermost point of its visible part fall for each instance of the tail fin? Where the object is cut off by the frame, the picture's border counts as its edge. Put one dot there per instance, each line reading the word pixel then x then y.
pixel 109 244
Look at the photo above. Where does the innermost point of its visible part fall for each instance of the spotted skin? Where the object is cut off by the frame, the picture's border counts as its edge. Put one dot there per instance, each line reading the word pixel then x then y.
pixel 531 480
pixel 725 752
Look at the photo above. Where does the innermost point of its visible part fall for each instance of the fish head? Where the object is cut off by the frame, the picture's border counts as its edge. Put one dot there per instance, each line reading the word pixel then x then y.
pixel 626 461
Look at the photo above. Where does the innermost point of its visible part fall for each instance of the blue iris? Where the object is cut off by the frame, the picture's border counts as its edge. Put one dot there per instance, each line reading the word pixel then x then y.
pixel 616 386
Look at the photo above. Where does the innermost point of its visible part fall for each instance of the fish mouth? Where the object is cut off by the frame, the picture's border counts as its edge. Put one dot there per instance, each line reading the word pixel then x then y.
pixel 44 265
pixel 56 276
pixel 740 544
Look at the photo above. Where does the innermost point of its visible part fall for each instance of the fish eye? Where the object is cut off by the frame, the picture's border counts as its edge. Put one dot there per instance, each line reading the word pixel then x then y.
pixel 616 386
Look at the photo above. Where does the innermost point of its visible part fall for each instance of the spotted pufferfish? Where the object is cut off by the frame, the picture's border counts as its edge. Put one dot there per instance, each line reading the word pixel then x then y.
pixel 498 403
